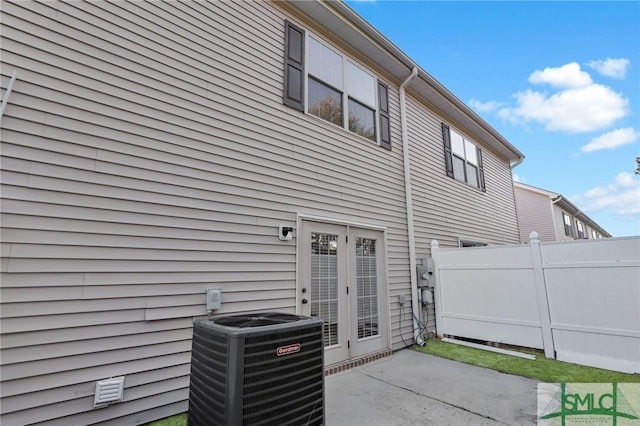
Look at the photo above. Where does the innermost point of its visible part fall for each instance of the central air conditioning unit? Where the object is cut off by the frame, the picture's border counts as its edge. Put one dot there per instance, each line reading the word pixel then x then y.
pixel 257 369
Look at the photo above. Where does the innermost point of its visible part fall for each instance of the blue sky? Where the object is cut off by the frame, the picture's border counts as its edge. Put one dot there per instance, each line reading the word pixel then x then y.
pixel 560 80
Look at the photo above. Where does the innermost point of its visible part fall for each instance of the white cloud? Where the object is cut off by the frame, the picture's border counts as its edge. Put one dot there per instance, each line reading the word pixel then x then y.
pixel 484 106
pixel 612 140
pixel 622 197
pixel 566 76
pixel 575 110
pixel 615 68
pixel 518 178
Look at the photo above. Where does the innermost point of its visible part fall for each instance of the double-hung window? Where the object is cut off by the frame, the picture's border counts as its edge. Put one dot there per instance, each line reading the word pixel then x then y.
pixel 580 228
pixel 463 159
pixel 327 84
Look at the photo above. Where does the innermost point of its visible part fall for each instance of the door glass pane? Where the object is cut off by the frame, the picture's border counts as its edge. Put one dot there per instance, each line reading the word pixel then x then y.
pixel 324 284
pixel 367 287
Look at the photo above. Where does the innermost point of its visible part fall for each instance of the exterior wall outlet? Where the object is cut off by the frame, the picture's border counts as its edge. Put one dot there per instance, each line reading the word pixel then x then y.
pixel 214 298
pixel 402 299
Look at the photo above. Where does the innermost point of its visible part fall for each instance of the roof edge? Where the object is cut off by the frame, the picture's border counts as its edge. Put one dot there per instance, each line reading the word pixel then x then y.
pixel 341 9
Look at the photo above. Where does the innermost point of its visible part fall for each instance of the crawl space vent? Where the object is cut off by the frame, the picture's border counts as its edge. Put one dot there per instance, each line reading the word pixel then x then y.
pixel 109 391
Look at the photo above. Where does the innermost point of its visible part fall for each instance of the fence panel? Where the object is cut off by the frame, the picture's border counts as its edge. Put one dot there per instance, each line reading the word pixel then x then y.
pixel 489 294
pixel 581 299
pixel 593 289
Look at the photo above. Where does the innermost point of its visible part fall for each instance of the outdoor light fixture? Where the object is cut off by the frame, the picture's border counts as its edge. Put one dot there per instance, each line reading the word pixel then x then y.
pixel 285 233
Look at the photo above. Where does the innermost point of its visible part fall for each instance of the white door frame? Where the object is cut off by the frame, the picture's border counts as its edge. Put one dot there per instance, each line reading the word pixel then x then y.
pixel 385 308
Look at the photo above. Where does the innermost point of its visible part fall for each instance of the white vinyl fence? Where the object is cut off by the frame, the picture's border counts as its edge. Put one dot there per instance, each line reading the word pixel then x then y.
pixel 577 300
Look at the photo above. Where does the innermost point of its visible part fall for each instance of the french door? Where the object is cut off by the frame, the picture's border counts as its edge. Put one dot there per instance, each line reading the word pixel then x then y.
pixel 343 282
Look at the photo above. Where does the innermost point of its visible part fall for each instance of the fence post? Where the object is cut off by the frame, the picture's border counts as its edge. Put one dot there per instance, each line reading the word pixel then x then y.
pixel 541 293
pixel 435 254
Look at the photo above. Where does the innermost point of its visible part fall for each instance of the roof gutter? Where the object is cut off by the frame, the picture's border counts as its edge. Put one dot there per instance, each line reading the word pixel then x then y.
pixel 464 109
pixel 415 303
pixel 577 212
pixel 517 163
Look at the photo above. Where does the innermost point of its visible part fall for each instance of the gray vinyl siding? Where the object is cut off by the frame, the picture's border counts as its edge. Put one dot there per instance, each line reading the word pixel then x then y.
pixel 445 209
pixel 146 157
pixel 535 213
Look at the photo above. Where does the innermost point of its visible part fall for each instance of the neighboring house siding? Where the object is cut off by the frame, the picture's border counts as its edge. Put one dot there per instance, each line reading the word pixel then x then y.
pixel 561 234
pixel 446 209
pixel 535 213
pixel 142 170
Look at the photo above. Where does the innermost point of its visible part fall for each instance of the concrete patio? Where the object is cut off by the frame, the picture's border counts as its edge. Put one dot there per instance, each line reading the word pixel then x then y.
pixel 411 388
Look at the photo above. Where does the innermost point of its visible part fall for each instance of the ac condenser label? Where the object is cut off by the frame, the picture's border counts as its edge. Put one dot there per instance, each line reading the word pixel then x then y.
pixel 288 350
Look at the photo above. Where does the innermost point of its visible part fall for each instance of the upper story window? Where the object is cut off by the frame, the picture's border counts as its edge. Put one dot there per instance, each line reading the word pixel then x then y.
pixel 580 228
pixel 568 230
pixel 334 88
pixel 463 159
pixel 593 234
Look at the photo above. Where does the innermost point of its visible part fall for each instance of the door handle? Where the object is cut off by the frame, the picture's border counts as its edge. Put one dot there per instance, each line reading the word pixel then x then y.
pixel 305 301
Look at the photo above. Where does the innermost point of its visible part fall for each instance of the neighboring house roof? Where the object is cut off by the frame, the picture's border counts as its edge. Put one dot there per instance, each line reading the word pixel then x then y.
pixel 566 205
pixel 338 18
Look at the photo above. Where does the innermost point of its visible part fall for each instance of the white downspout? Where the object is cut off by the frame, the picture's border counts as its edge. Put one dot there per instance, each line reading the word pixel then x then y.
pixel 415 303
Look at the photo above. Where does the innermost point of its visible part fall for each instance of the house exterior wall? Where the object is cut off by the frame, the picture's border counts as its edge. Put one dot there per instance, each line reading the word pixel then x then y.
pixel 446 209
pixel 535 213
pixel 557 217
pixel 147 156
pixel 542 211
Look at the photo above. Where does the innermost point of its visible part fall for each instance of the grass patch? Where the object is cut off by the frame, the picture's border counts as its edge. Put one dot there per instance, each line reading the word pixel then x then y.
pixel 179 420
pixel 542 369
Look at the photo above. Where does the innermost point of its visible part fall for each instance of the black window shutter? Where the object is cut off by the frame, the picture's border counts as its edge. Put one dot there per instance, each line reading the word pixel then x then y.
pixel 481 171
pixel 294 66
pixel 448 161
pixel 385 129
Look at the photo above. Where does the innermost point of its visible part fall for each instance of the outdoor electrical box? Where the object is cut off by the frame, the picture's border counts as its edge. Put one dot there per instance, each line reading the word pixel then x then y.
pixel 213 299
pixel 423 276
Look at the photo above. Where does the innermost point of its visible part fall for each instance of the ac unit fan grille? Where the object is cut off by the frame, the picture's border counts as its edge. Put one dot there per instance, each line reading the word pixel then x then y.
pixel 286 389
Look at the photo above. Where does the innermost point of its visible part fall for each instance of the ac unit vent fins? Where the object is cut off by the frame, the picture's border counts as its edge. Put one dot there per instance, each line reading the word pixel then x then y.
pixel 258 369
